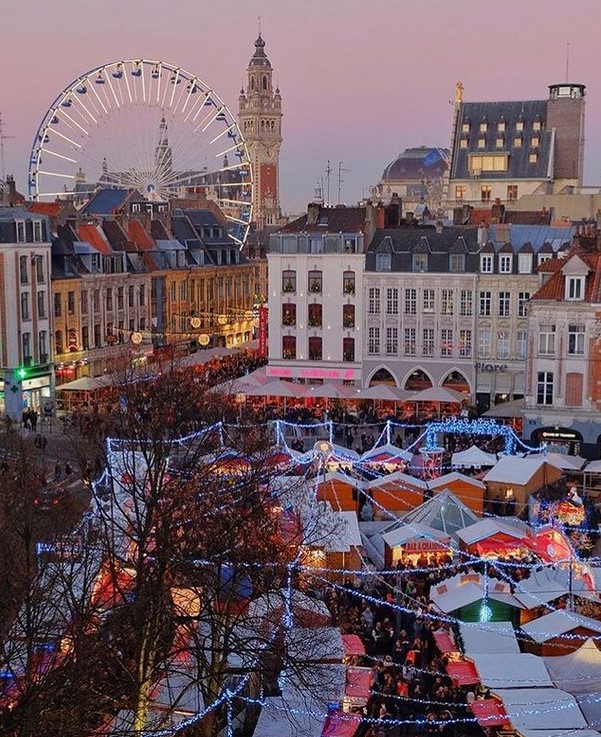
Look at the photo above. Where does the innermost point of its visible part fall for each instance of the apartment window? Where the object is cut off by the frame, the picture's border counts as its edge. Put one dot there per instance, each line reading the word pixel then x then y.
pixel 57 305
pixel 70 303
pixel 524 263
pixel 289 314
pixel 26 347
pixel 348 349
pixel 420 262
pixel 478 163
pixel 485 193
pixel 58 341
pixel 37 231
pixel 373 340
pixel 98 336
pixel 315 245
pixel 109 299
pixel 485 303
pixel 428 300
pixel 315 282
pixel 383 261
pixel 501 126
pixel 460 191
pixel 41 303
pixel 348 316
pixel 519 126
pixel 466 303
pixel 575 287
pixel 457 262
pixel 483 127
pixel 348 282
pixel 486 263
pixel 546 340
pixel 523 298
pixel 428 341
pixel 315 316
pixel 575 340
pixel 504 303
pixel 288 281
pixel 517 142
pixel 20 229
pixel 289 347
pixel 23 269
pixel 503 344
pixel 447 302
pixel 410 301
pixel 350 246
pixel 142 293
pixel 542 257
pixel 173 293
pixel 392 301
pixel 410 337
pixel 521 342
pixel 130 296
pixel 119 298
pixel 465 343
pixel 392 341
pixel 83 301
pixel 505 263
pixel 465 127
pixel 85 338
pixel 484 343
pixel 536 125
pixel 446 342
pixel 463 143
pixel 482 143
pixel 532 158
pixel 25 306
pixel 373 301
pixel 512 192
pixel 535 141
pixel 500 142
pixel 121 332
pixel 40 272
pixel 544 388
pixel 183 292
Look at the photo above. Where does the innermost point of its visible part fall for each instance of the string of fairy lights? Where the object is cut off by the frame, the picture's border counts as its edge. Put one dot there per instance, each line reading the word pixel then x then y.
pixel 305 462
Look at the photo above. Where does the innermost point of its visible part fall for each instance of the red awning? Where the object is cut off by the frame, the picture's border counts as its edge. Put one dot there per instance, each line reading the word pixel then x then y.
pixel 489 712
pixel 444 642
pixel 386 458
pixel 340 724
pixel 500 543
pixel 353 645
pixel 358 683
pixel 463 672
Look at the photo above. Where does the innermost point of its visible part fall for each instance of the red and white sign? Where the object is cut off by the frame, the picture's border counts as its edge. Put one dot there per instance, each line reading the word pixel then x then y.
pixel 262 331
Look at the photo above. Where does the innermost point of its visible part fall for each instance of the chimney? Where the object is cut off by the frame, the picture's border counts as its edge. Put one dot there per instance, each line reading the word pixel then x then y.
pixel 439 226
pixel 409 218
pixel 393 212
pixel 503 233
pixel 313 213
pixel 482 234
pixel 380 216
pixel 12 189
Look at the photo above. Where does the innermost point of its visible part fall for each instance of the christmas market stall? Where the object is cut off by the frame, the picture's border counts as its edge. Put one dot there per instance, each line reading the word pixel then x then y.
pixel 393 494
pixel 558 633
pixel 467 489
pixel 415 545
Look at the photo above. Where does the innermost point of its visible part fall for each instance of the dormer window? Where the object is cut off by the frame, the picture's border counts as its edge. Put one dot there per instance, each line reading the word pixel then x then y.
pixel 536 125
pixel 420 262
pixel 383 261
pixel 465 128
pixel 500 142
pixel 20 228
pixel 501 126
pixel 517 142
pixel 532 158
pixel 37 231
pixel 505 263
pixel 535 142
pixel 463 143
pixel 482 143
pixel 575 288
pixel 519 126
pixel 486 263
pixel 483 127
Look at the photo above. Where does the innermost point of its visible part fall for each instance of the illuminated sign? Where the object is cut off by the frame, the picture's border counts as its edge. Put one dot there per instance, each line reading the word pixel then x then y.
pixel 314 373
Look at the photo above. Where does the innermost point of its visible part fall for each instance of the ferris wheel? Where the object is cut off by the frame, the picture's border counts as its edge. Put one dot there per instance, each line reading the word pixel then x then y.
pixel 144 125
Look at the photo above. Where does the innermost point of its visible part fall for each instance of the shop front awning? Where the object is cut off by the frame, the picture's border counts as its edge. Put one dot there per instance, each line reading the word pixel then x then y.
pixel 489 712
pixel 353 645
pixel 463 672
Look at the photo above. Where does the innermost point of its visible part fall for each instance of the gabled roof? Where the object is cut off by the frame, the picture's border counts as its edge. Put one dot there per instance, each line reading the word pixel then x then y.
pixel 489 527
pixel 51 209
pixel 536 235
pixel 109 201
pixel 557 623
pixel 95 237
pixel 488 637
pixel 554 288
pixel 139 236
pixel 454 476
pixel 443 512
pixel 512 470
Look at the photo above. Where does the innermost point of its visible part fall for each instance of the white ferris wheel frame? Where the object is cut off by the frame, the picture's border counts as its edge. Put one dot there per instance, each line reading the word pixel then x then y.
pixel 91 98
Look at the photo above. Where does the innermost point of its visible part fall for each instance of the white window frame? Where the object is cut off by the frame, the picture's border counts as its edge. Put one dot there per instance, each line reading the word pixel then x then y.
pixel 521 344
pixel 446 342
pixel 504 304
pixel 392 341
pixel 546 340
pixel 486 263
pixel 465 343
pixel 544 388
pixel 505 263
pixel 576 336
pixel 37 231
pixel 410 341
pixel 392 301
pixel 466 303
pixel 373 341
pixel 484 343
pixel 428 344
pixel 575 288
pixel 447 297
pixel 429 300
pixel 485 303
pixel 523 299
pixel 411 301
pixel 524 263
pixel 503 344
pixel 373 301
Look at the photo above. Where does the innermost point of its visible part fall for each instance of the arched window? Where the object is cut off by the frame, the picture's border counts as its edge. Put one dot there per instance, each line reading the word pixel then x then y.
pixel 417 381
pixel 264 82
pixel 252 83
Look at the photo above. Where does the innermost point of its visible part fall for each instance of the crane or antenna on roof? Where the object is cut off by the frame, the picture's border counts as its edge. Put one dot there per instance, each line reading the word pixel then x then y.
pixel 2 139
pixel 328 173
pixel 340 179
pixel 567 61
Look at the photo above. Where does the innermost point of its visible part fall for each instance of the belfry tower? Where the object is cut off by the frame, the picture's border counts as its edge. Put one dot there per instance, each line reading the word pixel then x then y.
pixel 260 119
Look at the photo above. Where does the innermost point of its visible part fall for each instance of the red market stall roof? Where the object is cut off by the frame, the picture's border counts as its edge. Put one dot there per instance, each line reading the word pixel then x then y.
pixel 550 546
pixel 489 712
pixel 463 672
pixel 358 683
pixel 341 724
pixel 444 642
pixel 353 645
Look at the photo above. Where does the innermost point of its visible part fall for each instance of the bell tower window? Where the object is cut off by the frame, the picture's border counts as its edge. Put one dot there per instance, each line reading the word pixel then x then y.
pixel 264 82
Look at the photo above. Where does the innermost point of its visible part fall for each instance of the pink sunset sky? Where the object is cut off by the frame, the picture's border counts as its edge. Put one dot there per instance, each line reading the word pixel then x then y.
pixel 360 79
